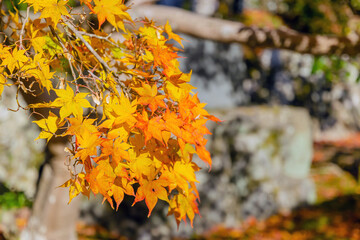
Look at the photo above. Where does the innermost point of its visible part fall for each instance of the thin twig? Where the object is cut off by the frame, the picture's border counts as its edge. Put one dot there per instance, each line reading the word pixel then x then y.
pixel 23 28
pixel 79 35
pixel 66 52
pixel 100 37
pixel 91 49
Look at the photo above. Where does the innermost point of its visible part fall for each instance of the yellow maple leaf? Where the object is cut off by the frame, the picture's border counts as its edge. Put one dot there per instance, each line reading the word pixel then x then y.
pixel 70 103
pixel 53 9
pixel 182 206
pixel 48 125
pixel 77 186
pixel 77 124
pixel 88 142
pixel 140 165
pixel 14 59
pixel 152 36
pixel 40 70
pixel 121 110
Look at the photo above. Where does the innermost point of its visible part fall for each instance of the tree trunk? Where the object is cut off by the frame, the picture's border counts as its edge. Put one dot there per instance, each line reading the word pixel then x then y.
pixel 52 218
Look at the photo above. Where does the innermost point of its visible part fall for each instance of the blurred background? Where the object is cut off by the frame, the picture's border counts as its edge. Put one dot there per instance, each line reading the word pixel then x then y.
pixel 285 158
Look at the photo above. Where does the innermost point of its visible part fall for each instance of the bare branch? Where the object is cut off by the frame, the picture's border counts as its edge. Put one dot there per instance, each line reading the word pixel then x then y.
pixel 23 28
pixel 228 31
pixel 91 49
pixel 66 52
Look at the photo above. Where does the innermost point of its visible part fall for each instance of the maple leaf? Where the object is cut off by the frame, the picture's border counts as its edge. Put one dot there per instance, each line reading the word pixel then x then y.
pixel 38 43
pixel 203 154
pixel 13 59
pixel 173 123
pixel 181 206
pixel 88 142
pixel 181 175
pixel 152 36
pixel 3 51
pixel 152 128
pixel 53 9
pixel 77 186
pixel 177 92
pixel 74 188
pixel 70 103
pixel 149 97
pixel 101 178
pixel 120 133
pixel 151 191
pixel 118 149
pixel 140 165
pixel 119 188
pixel 117 192
pixel 187 104
pixel 121 150
pixel 163 57
pixel 121 110
pixel 77 124
pixel 186 170
pixel 186 152
pixel 48 125
pixel 172 35
pixel 111 10
pixel 196 130
pixel 40 70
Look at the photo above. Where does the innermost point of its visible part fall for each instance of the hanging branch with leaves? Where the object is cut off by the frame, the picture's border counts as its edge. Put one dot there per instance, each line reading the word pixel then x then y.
pixel 141 124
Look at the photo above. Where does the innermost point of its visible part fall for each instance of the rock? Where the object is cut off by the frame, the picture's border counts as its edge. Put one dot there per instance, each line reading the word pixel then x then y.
pixel 268 150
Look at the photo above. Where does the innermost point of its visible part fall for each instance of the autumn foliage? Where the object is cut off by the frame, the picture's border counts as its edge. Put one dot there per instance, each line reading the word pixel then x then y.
pixel 128 111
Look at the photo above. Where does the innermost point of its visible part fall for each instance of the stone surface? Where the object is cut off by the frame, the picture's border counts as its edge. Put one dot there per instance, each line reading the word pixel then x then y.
pixel 261 162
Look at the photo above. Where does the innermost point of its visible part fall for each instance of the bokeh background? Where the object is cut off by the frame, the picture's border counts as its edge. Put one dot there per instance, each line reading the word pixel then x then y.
pixel 285 158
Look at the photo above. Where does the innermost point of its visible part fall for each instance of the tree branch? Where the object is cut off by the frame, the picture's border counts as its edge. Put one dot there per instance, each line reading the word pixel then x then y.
pixel 91 49
pixel 23 28
pixel 228 31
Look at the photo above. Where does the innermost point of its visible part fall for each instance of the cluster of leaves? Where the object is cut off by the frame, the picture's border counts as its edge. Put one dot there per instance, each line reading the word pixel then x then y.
pixel 150 123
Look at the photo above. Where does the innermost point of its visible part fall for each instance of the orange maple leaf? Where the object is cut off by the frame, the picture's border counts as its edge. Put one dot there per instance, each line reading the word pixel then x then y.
pixel 172 35
pixel 173 123
pixel 151 191
pixel 152 128
pixel 163 57
pixel 101 178
pixel 149 97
